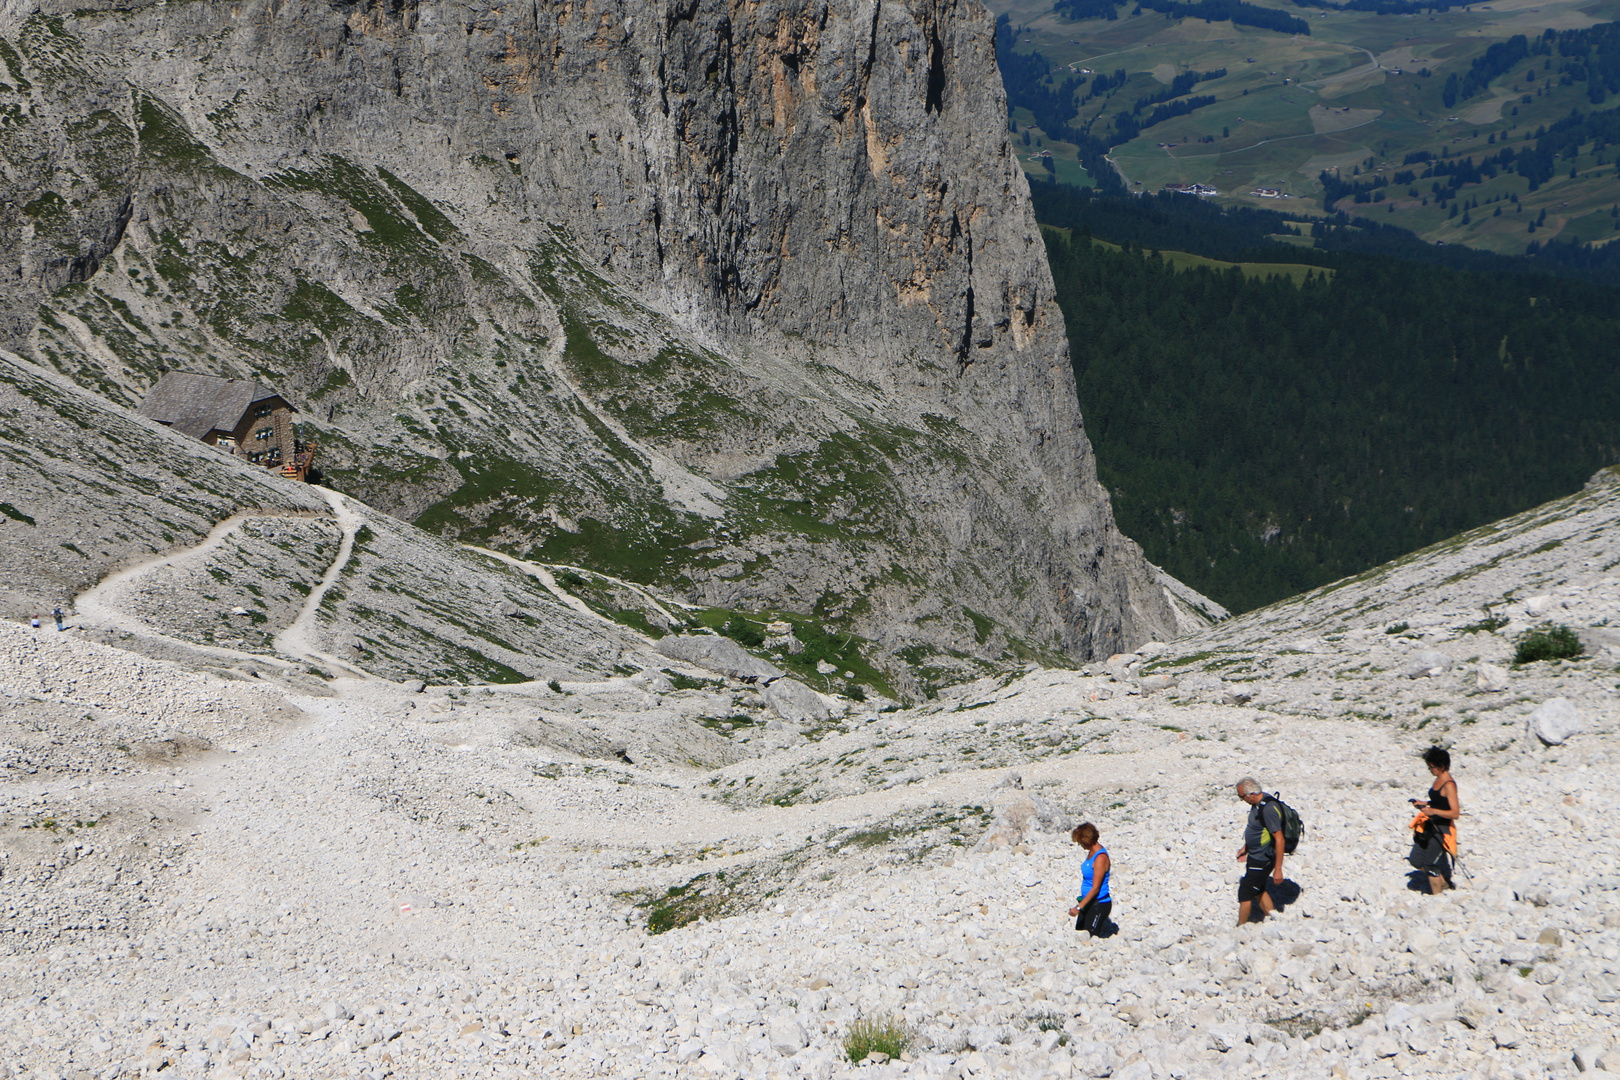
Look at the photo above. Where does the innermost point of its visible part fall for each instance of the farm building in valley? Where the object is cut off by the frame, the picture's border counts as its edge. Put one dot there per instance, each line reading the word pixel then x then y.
pixel 240 416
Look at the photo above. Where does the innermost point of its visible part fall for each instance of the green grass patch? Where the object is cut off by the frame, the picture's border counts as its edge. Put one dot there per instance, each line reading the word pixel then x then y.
pixel 1184 261
pixel 427 215
pixel 638 621
pixel 880 1034
pixel 164 136
pixel 982 625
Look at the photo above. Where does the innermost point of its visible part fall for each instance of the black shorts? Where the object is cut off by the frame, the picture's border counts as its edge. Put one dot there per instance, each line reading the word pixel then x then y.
pixel 1094 917
pixel 1429 855
pixel 1256 875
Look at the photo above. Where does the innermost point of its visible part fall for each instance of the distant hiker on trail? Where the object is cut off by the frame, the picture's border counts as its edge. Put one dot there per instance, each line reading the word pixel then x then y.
pixel 1095 901
pixel 34 622
pixel 1434 830
pixel 1262 850
pixel 57 612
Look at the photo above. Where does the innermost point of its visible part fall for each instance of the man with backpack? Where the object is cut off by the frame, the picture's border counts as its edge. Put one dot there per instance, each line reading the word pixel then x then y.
pixel 1264 845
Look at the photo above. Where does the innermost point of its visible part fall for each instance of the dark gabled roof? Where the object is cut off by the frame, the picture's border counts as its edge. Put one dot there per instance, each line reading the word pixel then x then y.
pixel 198 404
pixel 195 426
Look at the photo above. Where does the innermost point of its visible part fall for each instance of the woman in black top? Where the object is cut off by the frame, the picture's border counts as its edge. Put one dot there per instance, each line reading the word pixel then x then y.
pixel 1443 809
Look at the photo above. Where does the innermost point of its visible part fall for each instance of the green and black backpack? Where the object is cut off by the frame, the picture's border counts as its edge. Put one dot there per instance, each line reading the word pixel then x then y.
pixel 1292 826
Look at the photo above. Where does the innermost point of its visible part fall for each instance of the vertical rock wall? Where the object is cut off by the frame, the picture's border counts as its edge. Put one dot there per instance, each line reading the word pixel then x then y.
pixel 820 196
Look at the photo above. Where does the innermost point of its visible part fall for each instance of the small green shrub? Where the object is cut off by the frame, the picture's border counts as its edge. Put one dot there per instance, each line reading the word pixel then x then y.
pixel 1047 1021
pixel 554 686
pixel 1397 628
pixel 880 1034
pixel 17 515
pixel 1547 642
pixel 743 632
pixel 687 682
pixel 1488 624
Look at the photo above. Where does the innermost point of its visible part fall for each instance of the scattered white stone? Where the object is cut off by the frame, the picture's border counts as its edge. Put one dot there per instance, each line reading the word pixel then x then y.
pixel 1491 679
pixel 787 1036
pixel 464 899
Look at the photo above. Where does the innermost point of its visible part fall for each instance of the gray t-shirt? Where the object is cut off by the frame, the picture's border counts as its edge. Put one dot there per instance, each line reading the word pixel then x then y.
pixel 1264 816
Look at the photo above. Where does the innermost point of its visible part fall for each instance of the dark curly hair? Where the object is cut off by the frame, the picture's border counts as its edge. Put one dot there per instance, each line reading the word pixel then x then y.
pixel 1437 757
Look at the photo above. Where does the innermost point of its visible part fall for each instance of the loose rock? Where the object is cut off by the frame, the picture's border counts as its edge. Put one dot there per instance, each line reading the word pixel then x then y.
pixel 1555 721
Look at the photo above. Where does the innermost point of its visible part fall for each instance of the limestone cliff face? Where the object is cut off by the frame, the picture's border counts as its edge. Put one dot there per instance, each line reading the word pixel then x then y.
pixel 744 299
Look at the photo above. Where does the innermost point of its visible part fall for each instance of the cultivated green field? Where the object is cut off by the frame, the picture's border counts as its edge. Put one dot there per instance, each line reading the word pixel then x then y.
pixel 1182 260
pixel 1350 96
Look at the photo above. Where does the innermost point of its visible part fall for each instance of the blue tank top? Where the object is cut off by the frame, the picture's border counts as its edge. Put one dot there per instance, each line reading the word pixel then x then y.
pixel 1103 895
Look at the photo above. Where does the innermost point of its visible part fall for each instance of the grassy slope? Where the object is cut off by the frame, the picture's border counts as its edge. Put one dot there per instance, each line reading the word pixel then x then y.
pixel 1280 120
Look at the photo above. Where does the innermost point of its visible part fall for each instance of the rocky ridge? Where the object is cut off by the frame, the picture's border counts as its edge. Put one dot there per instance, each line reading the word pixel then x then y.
pixel 487 881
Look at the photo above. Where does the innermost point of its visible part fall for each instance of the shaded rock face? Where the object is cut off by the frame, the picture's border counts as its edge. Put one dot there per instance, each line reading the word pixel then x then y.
pixel 741 300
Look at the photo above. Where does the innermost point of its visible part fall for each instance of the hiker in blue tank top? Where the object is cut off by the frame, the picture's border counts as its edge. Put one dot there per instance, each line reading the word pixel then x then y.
pixel 1095 901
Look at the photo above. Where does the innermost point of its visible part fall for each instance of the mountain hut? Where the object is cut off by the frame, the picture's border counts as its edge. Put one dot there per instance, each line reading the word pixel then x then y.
pixel 243 417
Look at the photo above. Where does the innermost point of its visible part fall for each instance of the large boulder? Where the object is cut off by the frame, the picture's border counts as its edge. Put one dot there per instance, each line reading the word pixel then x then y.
pixel 1556 720
pixel 1427 662
pixel 1122 666
pixel 796 703
pixel 719 655
pixel 1021 816
pixel 1153 683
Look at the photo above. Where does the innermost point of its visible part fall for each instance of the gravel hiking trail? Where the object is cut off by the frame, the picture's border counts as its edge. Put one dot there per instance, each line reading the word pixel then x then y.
pixel 298 642
pixel 546 576
pixel 96 605
pixel 299 639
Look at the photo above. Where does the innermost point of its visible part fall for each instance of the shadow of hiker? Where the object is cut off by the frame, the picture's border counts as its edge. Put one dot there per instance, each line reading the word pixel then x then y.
pixel 1287 893
pixel 1418 881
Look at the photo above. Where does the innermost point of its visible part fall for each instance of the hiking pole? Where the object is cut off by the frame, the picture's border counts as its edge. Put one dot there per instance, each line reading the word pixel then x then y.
pixel 1456 856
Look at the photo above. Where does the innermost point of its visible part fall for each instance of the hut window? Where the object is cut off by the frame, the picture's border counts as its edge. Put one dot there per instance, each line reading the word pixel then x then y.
pixel 264 433
pixel 263 411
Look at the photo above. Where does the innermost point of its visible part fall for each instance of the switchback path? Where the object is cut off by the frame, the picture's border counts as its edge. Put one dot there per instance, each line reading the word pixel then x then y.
pixel 298 642
pixel 95 605
pixel 299 638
